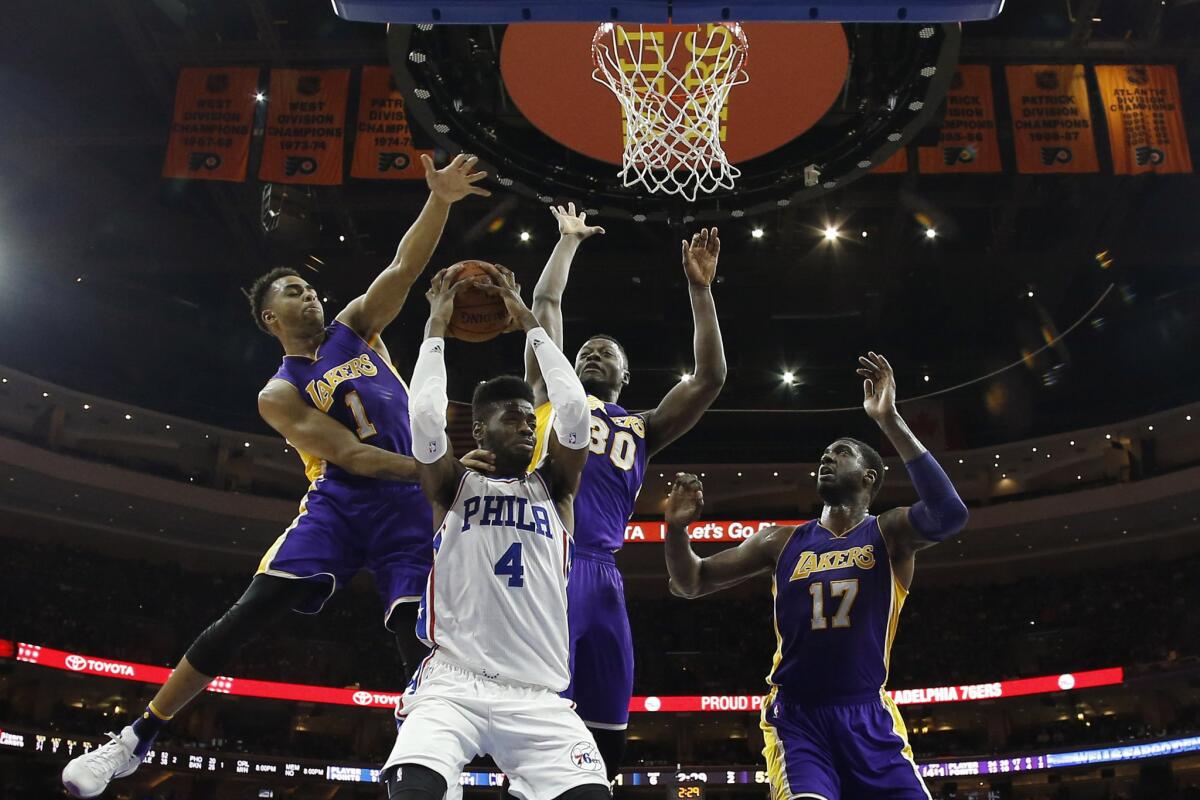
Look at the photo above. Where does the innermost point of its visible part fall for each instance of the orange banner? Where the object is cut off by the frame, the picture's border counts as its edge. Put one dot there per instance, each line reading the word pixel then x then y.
pixel 306 126
pixel 383 146
pixel 210 132
pixel 896 162
pixel 967 140
pixel 1145 118
pixel 1052 119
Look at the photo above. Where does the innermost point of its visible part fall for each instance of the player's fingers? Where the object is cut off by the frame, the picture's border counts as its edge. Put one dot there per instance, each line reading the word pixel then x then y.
pixel 885 363
pixel 867 363
pixel 556 211
pixel 868 388
pixel 571 208
pixel 475 177
pixel 427 162
pixel 454 162
pixel 714 243
pixel 479 190
pixel 470 162
pixel 597 229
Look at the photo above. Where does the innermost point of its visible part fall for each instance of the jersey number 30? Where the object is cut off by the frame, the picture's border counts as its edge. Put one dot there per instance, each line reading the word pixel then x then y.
pixel 624 447
pixel 510 565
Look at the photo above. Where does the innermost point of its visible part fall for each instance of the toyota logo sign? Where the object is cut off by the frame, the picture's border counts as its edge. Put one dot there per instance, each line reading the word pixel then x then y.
pixel 362 698
pixel 75 662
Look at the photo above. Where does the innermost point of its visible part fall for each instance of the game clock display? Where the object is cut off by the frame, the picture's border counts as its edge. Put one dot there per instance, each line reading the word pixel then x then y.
pixel 686 790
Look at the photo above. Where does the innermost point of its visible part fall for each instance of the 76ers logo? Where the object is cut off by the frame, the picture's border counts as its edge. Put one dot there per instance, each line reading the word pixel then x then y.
pixel 585 756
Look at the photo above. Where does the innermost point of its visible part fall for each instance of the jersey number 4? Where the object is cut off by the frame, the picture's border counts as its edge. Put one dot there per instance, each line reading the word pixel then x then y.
pixel 846 589
pixel 510 565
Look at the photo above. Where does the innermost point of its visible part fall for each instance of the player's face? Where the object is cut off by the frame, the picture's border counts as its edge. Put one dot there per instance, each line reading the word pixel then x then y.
pixel 601 367
pixel 294 306
pixel 842 474
pixel 508 431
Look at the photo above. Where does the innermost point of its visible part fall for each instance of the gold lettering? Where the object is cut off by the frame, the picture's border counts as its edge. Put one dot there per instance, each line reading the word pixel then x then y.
pixel 805 565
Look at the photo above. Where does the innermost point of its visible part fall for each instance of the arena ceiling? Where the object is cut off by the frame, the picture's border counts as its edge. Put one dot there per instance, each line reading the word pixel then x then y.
pixel 124 284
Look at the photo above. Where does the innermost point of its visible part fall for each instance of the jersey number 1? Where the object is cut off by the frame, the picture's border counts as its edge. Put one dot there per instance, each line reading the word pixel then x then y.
pixel 510 565
pixel 365 429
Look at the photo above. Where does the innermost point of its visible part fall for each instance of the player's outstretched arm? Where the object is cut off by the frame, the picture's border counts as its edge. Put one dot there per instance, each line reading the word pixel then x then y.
pixel 437 468
pixel 940 513
pixel 689 399
pixel 548 293
pixel 313 432
pixel 692 576
pixel 370 313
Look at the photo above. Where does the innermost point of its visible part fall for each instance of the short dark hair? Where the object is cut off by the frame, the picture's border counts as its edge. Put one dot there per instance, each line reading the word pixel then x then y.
pixel 498 390
pixel 612 339
pixel 257 293
pixel 873 461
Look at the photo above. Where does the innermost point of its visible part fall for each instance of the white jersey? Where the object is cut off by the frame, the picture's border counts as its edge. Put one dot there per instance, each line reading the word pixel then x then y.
pixel 496 599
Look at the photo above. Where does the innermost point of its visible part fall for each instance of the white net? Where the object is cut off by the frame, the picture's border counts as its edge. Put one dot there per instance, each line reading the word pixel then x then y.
pixel 672 102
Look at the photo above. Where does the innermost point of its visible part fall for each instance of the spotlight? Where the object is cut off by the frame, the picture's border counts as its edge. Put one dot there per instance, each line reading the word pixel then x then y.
pixel 685 377
pixel 757 233
pixel 1029 293
pixel 864 234
pixel 931 233
pixel 341 238
pixel 789 377
pixel 260 97
pixel 927 379
pixel 525 236
pixel 831 233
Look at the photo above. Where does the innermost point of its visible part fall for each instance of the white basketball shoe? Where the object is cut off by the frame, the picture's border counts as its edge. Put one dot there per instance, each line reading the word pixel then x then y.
pixel 89 774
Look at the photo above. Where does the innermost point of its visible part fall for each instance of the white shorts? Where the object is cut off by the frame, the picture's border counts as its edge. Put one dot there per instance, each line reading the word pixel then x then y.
pixel 452 714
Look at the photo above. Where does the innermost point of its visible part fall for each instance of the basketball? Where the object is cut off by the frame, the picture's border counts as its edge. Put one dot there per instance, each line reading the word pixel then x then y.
pixel 477 316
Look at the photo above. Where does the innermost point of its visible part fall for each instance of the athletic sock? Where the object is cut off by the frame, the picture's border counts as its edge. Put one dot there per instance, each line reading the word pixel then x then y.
pixel 146 728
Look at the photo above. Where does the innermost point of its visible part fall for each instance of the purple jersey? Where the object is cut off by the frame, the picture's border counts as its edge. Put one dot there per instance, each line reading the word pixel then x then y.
pixel 612 477
pixel 837 606
pixel 357 385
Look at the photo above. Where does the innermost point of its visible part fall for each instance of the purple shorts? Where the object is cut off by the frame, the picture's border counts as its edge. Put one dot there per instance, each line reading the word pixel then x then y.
pixel 601 643
pixel 385 527
pixel 853 751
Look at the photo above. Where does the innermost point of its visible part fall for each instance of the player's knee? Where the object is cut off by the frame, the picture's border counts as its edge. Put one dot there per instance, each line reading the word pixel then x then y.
pixel 591 791
pixel 413 782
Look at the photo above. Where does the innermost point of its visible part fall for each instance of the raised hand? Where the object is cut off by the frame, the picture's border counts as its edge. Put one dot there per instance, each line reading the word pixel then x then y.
pixel 700 257
pixel 456 180
pixel 686 500
pixel 444 287
pixel 879 386
pixel 503 284
pixel 572 224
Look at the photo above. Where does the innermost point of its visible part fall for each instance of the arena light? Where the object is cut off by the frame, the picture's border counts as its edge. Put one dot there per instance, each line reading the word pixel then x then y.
pixel 87 407
pixel 931 233
pixel 341 238
pixel 525 236
pixel 789 377
pixel 260 97
pixel 757 233
pixel 831 233
pixel 685 377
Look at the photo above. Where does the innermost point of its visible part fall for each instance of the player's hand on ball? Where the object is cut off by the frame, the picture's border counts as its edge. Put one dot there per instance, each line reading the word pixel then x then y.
pixel 504 285
pixel 456 180
pixel 686 500
pixel 442 291
pixel 879 386
pixel 700 257
pixel 572 224
pixel 480 460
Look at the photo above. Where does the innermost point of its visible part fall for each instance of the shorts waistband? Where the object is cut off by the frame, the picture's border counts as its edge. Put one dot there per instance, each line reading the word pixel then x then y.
pixel 595 554
pixel 809 699
pixel 442 661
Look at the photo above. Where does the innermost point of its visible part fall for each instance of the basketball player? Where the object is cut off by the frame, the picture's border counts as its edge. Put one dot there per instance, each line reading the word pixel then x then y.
pixel 339 401
pixel 621 444
pixel 831 732
pixel 495 608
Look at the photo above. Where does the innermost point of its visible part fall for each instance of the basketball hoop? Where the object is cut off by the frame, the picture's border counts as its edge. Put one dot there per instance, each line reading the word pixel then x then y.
pixel 672 107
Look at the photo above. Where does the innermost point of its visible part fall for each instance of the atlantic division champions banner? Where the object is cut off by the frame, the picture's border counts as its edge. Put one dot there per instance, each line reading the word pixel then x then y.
pixel 210 132
pixel 306 126
pixel 1052 119
pixel 1145 118
pixel 383 147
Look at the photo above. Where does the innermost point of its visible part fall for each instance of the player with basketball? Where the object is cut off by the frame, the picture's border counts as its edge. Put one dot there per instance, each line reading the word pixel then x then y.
pixel 495 608
pixel 621 444
pixel 831 732
pixel 339 401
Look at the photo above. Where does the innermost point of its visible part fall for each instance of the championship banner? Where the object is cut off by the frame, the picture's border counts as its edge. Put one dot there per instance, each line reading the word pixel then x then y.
pixel 145 673
pixel 306 126
pixel 1145 118
pixel 967 140
pixel 383 147
pixel 896 162
pixel 1052 119
pixel 210 131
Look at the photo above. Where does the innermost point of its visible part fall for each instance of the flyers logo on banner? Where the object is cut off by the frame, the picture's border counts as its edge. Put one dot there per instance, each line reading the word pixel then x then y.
pixel 383 147
pixel 1052 119
pixel 967 140
pixel 210 131
pixel 306 126
pixel 896 162
pixel 1145 118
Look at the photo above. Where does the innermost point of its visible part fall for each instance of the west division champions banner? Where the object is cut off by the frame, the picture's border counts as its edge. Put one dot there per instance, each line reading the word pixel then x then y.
pixel 1052 119
pixel 383 146
pixel 1145 119
pixel 306 126
pixel 967 140
pixel 210 132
